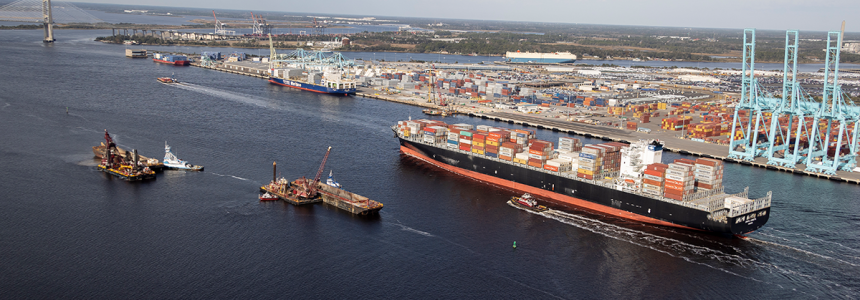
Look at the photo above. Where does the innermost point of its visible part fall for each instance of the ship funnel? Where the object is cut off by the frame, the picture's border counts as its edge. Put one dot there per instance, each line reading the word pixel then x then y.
pixel 274 171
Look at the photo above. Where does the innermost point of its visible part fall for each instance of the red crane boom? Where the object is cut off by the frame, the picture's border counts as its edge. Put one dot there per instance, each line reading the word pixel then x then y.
pixel 312 189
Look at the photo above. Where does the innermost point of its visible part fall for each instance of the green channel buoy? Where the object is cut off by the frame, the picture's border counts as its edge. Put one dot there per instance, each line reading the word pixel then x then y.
pixel 515 244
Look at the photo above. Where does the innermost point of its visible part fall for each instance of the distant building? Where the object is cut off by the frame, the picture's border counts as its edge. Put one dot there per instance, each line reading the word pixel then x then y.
pixel 851 47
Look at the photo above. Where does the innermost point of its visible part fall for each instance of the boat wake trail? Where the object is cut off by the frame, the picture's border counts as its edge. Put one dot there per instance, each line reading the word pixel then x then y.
pixel 227 95
pixel 716 256
pixel 222 175
pixel 410 229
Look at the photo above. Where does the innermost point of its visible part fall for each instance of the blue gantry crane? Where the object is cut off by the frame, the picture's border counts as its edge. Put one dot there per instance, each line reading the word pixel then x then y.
pixel 309 60
pixel 822 135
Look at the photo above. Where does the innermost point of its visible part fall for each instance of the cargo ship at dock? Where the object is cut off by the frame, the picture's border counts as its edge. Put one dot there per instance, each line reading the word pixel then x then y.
pixel 326 86
pixel 329 81
pixel 177 60
pixel 626 181
pixel 536 57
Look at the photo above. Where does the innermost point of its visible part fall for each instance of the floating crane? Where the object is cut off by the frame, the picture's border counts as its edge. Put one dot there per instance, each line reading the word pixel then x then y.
pixel 312 188
pixel 794 128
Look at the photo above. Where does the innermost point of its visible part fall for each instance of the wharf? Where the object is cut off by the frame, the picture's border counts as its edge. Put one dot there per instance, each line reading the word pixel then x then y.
pixel 247 68
pixel 673 143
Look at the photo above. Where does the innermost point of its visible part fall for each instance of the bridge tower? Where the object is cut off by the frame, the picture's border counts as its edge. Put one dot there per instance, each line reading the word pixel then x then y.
pixel 48 18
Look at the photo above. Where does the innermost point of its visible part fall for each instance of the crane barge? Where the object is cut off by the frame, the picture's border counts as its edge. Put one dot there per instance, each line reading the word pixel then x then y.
pixel 303 191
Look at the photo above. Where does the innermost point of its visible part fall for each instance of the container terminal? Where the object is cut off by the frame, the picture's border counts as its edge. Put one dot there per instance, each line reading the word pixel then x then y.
pixel 308 191
pixel 738 116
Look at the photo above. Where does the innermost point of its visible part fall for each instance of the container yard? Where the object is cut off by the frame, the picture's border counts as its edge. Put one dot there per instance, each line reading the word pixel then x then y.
pixel 692 110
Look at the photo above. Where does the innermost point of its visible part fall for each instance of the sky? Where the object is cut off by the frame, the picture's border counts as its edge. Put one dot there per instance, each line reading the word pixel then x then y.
pixel 811 15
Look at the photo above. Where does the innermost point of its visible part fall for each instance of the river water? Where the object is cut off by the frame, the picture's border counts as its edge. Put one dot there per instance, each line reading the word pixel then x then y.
pixel 69 231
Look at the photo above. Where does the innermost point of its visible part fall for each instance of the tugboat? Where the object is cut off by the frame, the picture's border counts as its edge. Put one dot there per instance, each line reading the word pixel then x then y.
pixel 129 168
pixel 167 80
pixel 268 197
pixel 173 162
pixel 527 202
pixel 331 180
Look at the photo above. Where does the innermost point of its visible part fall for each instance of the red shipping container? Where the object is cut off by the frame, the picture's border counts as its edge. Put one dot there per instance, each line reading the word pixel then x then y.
pixel 551 168
pixel 686 161
pixel 658 167
pixel 673 196
pixel 465 147
pixel 652 182
pixel 580 175
pixel 465 137
pixel 655 173
pixel 674 182
pixel 477 147
pixel 708 162
pixel 537 152
pixel 535 160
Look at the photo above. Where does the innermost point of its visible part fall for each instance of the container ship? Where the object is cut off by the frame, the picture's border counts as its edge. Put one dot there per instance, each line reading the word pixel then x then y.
pixel 330 81
pixel 178 60
pixel 535 57
pixel 326 83
pixel 627 181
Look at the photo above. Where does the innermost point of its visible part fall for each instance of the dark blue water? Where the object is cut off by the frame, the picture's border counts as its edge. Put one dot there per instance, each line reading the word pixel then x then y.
pixel 68 231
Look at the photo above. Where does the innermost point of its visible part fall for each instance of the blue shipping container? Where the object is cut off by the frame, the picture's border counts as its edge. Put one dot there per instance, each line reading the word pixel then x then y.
pixel 586 155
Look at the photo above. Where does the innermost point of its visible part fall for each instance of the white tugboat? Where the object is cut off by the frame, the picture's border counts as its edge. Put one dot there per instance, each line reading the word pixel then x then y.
pixel 331 180
pixel 173 162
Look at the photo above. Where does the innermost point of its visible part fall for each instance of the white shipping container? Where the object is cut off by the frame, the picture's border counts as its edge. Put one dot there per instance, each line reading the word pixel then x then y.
pixel 523 156
pixel 429 139
pixel 676 178
pixel 558 162
pixel 453 146
pixel 464 126
pixel 652 177
pixel 453 136
pixel 586 167
pixel 652 187
pixel 462 141
pixel 679 167
pixel 535 156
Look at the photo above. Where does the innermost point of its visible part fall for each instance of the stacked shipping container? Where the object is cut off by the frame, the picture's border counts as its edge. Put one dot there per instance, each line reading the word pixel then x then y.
pixel 679 179
pixel 654 178
pixel 708 173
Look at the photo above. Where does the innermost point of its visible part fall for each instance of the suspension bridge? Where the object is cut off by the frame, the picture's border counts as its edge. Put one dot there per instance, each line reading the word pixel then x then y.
pixel 47 13
pixel 795 127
